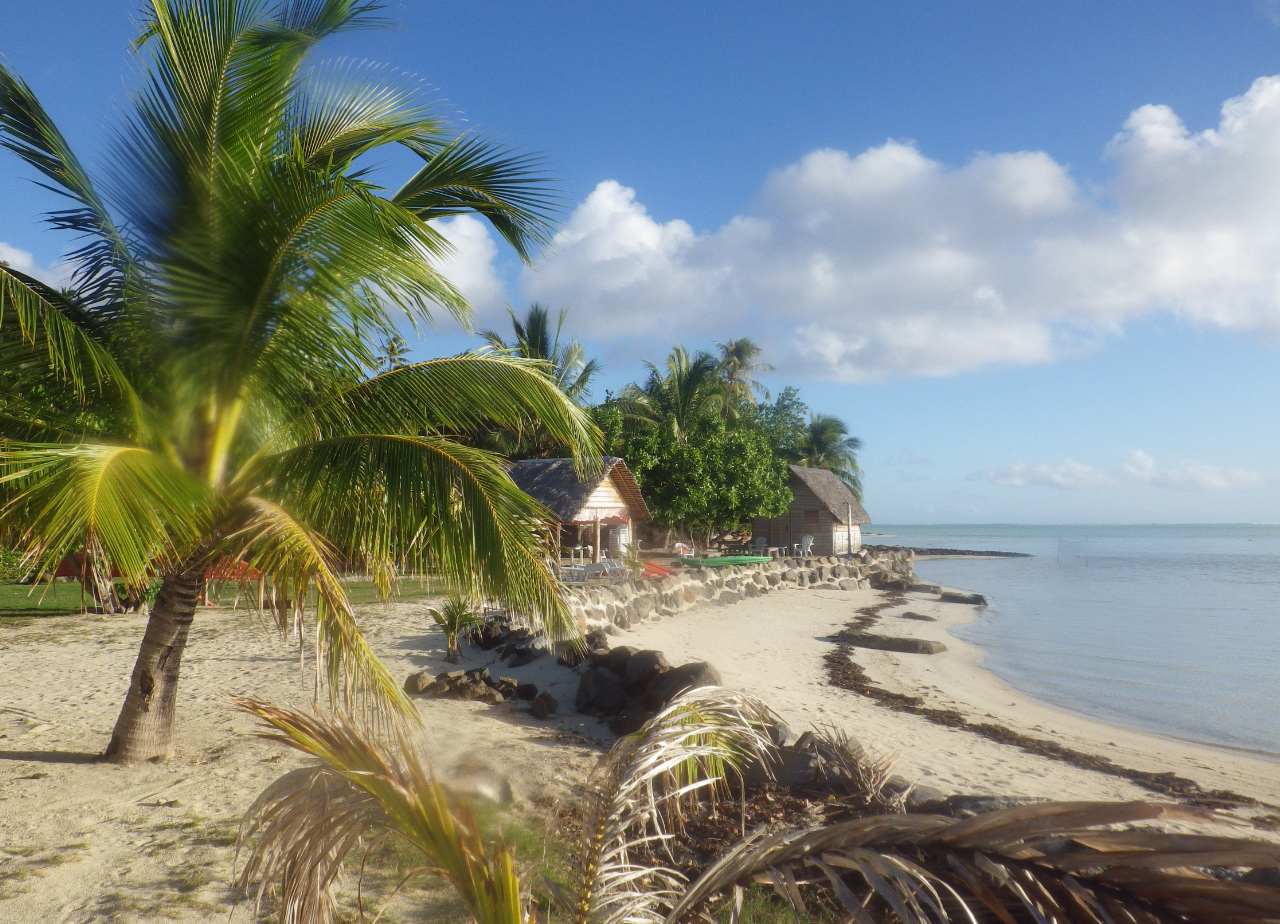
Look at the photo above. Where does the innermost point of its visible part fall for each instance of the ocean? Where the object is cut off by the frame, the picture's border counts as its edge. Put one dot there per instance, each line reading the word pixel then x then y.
pixel 1166 629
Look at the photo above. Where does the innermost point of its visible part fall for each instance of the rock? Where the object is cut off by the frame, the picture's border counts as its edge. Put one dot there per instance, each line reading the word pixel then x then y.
pixel 921 617
pixel 780 734
pixel 418 682
pixel 596 638
pixel 526 691
pixel 488 636
pixel 601 692
pixel 970 599
pixel 789 766
pixel 849 584
pixel 598 655
pixel 885 580
pixel 522 656
pixel 479 673
pixel 921 796
pixel 727 597
pixel 920 587
pixel 617 659
pixel 507 686
pixel 666 687
pixel 629 722
pixel 643 666
pixel 491 696
pixel 451 677
pixel 967 806
pixel 544 705
pixel 890 643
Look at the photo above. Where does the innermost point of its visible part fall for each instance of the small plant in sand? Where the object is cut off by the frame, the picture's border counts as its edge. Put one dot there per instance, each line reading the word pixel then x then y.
pixel 457 617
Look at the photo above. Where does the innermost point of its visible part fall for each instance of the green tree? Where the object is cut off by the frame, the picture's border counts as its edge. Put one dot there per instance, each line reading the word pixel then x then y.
pixel 717 478
pixel 567 361
pixel 826 443
pixel 739 365
pixel 228 297
pixel 687 391
pixel 784 421
pixel 394 353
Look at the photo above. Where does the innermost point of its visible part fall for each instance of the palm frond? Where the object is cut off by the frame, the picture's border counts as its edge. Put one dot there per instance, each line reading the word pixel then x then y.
pixel 131 508
pixel 1046 862
pixel 309 822
pixel 298 561
pixel 471 174
pixel 639 786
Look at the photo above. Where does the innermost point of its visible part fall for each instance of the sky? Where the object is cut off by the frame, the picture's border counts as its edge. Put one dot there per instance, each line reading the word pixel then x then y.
pixel 1029 251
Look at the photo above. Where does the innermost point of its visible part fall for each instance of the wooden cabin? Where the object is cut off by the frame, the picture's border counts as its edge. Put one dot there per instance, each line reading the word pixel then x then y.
pixel 823 507
pixel 602 512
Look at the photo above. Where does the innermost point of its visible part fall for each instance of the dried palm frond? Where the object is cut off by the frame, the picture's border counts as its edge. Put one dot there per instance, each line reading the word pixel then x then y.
pixel 636 794
pixel 1048 863
pixel 308 822
pixel 859 777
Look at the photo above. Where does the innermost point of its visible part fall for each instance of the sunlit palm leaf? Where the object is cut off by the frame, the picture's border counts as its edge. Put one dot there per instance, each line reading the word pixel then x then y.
pixel 307 823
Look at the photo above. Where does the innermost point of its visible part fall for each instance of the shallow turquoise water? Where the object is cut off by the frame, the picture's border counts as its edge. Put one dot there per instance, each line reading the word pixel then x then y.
pixel 1171 629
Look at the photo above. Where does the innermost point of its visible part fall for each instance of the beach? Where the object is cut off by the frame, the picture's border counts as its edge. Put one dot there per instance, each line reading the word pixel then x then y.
pixel 80 840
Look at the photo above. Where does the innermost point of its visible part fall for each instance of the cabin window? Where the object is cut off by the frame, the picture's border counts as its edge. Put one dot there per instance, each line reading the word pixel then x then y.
pixel 811 521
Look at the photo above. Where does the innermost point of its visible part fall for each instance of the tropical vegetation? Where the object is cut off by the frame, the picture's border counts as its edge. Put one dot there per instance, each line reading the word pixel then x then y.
pixel 199 399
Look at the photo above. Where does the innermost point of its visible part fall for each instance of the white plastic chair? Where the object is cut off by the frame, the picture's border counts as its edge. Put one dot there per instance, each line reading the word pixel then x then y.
pixel 761 543
pixel 804 546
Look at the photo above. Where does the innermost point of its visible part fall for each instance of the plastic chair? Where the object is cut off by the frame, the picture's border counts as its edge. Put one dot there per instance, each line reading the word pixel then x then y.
pixel 758 547
pixel 804 547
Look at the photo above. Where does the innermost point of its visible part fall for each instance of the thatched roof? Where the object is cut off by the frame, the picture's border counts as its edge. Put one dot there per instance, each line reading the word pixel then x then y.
pixel 832 492
pixel 556 485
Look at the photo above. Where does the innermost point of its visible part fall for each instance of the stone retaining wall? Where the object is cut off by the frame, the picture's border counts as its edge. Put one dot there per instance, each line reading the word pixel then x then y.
pixel 626 604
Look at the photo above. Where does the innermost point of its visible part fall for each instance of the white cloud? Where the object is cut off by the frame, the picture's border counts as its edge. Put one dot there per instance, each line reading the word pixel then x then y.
pixel 1067 476
pixel 888 263
pixel 1135 466
pixel 1186 476
pixel 20 260
pixel 471 266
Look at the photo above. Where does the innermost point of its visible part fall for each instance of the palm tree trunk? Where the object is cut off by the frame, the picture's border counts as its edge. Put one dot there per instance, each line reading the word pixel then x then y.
pixel 144 730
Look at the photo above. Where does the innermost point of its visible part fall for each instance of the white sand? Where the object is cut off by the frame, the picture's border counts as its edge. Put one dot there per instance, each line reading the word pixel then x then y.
pixel 82 841
pixel 773 647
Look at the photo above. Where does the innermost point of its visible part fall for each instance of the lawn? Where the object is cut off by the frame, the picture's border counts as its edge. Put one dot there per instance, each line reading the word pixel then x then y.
pixel 19 603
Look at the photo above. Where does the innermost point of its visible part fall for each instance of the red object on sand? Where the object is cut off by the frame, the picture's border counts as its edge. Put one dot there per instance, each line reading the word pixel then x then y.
pixel 653 569
pixel 227 570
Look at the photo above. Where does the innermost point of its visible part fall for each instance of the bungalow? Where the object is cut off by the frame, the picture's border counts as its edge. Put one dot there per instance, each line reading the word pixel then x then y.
pixel 601 512
pixel 823 507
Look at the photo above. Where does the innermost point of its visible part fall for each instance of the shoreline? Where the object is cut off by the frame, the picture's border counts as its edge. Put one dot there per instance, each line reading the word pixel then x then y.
pixel 774 647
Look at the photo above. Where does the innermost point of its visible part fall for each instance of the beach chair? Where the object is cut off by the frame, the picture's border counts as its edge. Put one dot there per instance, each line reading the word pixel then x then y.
pixel 758 547
pixel 804 547
pixel 573 574
pixel 683 550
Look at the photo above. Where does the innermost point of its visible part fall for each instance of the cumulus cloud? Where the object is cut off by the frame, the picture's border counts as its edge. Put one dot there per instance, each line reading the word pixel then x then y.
pixel 20 260
pixel 1135 466
pixel 887 263
pixel 1067 476
pixel 1186 476
pixel 471 266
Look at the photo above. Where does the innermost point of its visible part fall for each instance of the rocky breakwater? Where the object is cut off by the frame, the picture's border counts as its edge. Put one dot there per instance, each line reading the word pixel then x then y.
pixel 631 602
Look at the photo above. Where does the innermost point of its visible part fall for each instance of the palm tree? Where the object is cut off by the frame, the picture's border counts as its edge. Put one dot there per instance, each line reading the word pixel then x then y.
pixel 739 364
pixel 825 443
pixel 229 288
pixel 394 351
pixel 568 365
pixel 456 617
pixel 688 390
pixel 1059 862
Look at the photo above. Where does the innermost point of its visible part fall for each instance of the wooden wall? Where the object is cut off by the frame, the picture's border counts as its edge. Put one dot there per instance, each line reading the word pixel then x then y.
pixel 807 516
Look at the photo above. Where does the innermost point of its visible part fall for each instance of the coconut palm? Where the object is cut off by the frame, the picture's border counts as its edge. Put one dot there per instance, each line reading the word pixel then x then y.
pixel 456 617
pixel 568 365
pixel 395 349
pixel 688 390
pixel 825 443
pixel 1048 862
pixel 739 365
pixel 231 282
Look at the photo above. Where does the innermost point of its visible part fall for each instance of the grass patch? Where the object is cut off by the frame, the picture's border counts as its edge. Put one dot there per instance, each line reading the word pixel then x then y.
pixel 20 603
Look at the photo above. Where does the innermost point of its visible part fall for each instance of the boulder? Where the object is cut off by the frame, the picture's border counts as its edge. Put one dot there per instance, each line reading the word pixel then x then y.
pixel 890 642
pixel 596 638
pixel 507 686
pixel 920 617
pixel 522 656
pixel 921 797
pixel 970 599
pixel 887 580
pixel 480 674
pixel 488 636
pixel 526 691
pixel 920 587
pixel 616 660
pixel 849 584
pixel 544 705
pixel 643 666
pixel 666 687
pixel 727 597
pixel 601 692
pixel 418 682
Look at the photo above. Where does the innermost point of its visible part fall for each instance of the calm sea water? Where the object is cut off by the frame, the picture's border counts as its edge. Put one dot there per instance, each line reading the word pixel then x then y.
pixel 1170 629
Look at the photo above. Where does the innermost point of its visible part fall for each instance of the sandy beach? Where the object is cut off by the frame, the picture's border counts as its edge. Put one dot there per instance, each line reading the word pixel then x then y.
pixel 83 841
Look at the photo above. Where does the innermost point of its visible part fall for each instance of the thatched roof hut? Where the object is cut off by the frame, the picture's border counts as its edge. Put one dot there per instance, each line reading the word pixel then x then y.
pixel 822 506
pixel 607 505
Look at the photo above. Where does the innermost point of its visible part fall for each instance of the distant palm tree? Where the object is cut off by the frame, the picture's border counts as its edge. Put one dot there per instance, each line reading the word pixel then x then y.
pixel 394 351
pixel 825 443
pixel 213 402
pixel 568 364
pixel 689 389
pixel 457 617
pixel 739 364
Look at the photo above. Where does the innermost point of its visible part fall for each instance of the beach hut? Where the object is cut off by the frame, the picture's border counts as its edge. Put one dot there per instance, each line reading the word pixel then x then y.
pixel 601 512
pixel 823 507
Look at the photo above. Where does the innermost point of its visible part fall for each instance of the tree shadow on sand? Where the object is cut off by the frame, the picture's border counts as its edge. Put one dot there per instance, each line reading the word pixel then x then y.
pixel 53 757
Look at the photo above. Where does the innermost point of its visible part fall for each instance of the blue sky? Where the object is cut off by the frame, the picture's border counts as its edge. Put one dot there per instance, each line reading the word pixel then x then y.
pixel 994 237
